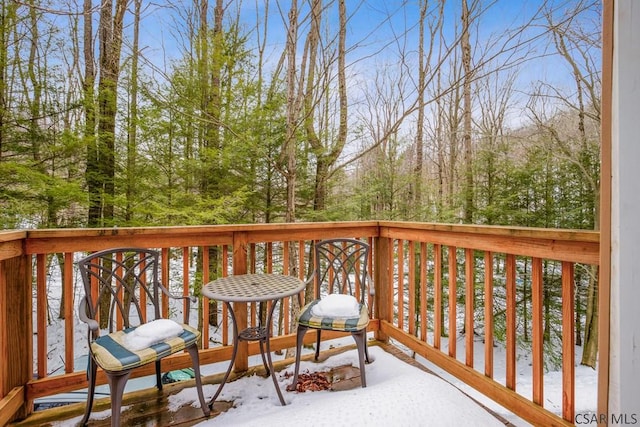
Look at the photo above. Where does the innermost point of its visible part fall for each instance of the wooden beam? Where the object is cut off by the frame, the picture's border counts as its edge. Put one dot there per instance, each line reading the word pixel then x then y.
pixel 382 282
pixel 240 243
pixel 604 277
pixel 10 405
pixel 16 333
pixel 578 246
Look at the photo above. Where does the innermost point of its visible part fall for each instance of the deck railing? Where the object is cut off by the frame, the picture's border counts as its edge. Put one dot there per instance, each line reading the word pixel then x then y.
pixel 432 281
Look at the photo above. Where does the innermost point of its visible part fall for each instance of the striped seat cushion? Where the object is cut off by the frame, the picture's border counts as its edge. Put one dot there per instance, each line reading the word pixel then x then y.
pixel 349 324
pixel 111 354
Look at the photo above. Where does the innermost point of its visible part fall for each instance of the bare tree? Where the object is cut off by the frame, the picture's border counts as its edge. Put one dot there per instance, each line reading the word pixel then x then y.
pixel 465 46
pixel 288 154
pixel 496 94
pixel 424 62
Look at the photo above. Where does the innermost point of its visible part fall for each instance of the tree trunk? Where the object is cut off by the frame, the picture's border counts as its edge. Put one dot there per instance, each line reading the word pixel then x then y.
pixel 289 148
pixel 132 149
pixel 313 39
pixel 110 39
pixel 590 350
pixel 4 31
pixel 92 173
pixel 417 171
pixel 214 111
pixel 466 63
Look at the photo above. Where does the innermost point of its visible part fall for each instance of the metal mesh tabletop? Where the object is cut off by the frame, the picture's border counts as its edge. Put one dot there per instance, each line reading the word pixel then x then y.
pixel 253 287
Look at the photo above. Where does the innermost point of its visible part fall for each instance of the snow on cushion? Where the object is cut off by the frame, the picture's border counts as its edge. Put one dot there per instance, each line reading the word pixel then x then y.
pixel 337 305
pixel 151 333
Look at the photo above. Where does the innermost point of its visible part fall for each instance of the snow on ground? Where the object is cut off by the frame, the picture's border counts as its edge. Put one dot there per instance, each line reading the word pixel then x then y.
pixel 396 394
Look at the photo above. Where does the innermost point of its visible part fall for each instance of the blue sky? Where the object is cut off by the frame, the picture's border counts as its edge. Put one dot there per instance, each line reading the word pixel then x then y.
pixel 373 24
pixel 378 33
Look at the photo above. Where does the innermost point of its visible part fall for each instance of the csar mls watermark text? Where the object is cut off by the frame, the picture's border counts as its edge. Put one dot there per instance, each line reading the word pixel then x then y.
pixel 612 419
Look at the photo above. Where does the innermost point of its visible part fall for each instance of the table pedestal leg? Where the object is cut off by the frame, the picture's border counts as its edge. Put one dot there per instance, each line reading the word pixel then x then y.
pixel 268 339
pixel 233 355
pixel 263 335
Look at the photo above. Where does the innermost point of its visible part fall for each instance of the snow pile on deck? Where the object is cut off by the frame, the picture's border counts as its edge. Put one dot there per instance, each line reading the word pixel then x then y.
pixel 336 305
pixel 151 333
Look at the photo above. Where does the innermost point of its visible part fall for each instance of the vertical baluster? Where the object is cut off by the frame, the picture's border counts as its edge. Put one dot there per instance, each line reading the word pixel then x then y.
pixel 41 292
pixel 225 315
pixel 269 257
pixel 301 272
pixel 371 274
pixel 511 322
pixel 488 314
pixel 424 324
pixel 285 257
pixel 412 288
pixel 253 314
pixel 206 278
pixel 453 301
pixel 469 307
pixel 437 291
pixel 537 330
pixel 186 260
pixel 568 342
pixel 68 312
pixel 400 285
pixel 165 281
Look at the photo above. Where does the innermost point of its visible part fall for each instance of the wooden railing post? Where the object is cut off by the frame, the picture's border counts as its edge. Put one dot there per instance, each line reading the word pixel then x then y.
pixel 16 341
pixel 382 282
pixel 240 242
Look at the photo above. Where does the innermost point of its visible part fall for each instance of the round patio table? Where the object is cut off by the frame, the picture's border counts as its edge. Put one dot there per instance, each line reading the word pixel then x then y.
pixel 248 288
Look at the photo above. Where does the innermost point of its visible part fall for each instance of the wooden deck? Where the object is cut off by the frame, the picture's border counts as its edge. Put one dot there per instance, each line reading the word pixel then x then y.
pixel 415 268
pixel 150 407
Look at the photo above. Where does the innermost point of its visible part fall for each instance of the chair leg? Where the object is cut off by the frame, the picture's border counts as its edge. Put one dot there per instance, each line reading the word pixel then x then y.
pixel 318 333
pixel 92 370
pixel 116 386
pixel 302 330
pixel 195 360
pixel 158 375
pixel 360 338
pixel 264 360
pixel 366 348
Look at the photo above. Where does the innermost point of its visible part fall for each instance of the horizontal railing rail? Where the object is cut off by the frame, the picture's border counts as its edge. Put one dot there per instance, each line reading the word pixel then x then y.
pixel 427 288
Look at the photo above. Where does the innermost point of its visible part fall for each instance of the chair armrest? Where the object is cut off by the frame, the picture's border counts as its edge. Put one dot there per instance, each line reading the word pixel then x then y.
pixel 82 314
pixel 189 298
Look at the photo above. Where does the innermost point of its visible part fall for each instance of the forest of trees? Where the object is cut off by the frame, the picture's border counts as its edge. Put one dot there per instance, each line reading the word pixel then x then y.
pixel 138 113
pixel 300 114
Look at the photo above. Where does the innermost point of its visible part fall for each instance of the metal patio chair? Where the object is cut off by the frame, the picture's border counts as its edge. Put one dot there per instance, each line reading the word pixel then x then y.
pixel 128 279
pixel 340 268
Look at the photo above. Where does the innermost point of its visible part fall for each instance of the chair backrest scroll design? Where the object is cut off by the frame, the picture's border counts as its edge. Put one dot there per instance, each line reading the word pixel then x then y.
pixel 341 267
pixel 128 278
